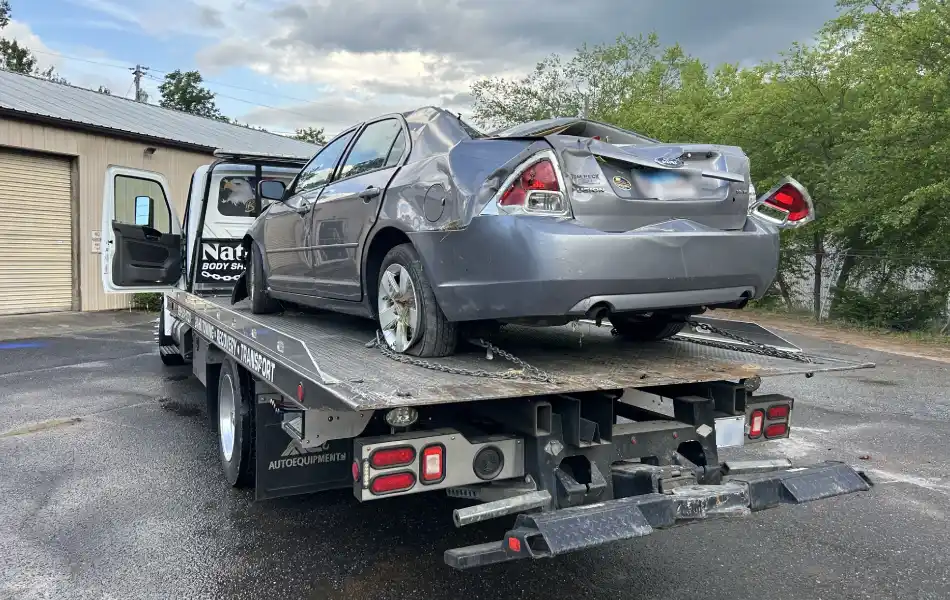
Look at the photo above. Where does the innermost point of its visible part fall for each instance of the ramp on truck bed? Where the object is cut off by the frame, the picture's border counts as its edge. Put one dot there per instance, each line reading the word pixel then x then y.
pixel 330 352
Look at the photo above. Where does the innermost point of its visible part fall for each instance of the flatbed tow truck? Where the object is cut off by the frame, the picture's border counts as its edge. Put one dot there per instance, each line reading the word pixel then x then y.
pixel 577 436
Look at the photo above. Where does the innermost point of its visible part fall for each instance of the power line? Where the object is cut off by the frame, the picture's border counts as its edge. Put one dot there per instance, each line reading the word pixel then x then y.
pixel 152 77
pixel 210 81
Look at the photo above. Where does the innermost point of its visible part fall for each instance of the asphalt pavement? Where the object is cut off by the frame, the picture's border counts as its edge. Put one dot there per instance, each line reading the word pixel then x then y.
pixel 110 488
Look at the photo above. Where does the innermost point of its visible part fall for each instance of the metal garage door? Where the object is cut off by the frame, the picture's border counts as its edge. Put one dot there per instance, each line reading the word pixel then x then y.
pixel 35 234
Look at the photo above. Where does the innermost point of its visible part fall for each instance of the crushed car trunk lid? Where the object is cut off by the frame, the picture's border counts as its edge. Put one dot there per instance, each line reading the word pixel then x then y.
pixel 624 187
pixel 619 180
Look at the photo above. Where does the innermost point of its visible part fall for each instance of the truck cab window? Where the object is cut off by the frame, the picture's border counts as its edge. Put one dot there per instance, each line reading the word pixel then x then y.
pixel 237 196
pixel 141 202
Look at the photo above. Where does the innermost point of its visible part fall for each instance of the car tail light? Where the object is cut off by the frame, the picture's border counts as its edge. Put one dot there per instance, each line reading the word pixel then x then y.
pixel 779 411
pixel 756 420
pixel 535 189
pixel 385 458
pixel 789 199
pixel 432 464
pixel 776 430
pixel 789 203
pixel 395 482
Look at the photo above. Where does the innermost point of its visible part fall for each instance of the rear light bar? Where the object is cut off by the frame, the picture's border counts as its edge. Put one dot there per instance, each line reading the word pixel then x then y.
pixel 534 188
pixel 438 459
pixel 767 417
pixel 786 205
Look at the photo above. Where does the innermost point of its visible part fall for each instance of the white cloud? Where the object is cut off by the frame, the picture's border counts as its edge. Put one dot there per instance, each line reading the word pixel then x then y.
pixel 378 56
pixel 82 74
pixel 369 57
pixel 23 34
pixel 163 19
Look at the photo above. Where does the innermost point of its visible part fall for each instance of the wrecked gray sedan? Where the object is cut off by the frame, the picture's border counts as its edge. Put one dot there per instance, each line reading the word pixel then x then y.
pixel 432 228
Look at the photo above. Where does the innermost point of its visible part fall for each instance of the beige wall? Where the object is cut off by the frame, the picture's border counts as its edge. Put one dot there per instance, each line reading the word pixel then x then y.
pixel 94 153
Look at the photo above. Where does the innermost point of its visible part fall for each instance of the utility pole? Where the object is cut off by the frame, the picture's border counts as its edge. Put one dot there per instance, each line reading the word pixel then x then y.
pixel 138 71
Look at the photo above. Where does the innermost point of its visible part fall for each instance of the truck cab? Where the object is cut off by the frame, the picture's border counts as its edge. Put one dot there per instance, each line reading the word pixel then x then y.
pixel 148 248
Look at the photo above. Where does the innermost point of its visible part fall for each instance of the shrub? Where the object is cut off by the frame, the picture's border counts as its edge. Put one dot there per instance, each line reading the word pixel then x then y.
pixel 148 302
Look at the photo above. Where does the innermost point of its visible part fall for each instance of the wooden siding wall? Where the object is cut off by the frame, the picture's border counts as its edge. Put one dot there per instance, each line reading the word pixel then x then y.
pixel 93 153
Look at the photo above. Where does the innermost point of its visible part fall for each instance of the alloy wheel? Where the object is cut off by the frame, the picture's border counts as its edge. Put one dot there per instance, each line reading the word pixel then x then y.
pixel 398 306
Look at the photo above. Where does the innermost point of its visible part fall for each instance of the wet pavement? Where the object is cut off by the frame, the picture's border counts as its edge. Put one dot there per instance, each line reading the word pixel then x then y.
pixel 110 487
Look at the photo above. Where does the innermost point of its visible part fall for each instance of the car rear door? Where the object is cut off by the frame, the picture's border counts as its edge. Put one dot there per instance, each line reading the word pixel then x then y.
pixel 140 245
pixel 348 207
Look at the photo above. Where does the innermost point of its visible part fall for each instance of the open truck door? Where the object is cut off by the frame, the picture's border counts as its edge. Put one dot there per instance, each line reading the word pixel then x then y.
pixel 142 243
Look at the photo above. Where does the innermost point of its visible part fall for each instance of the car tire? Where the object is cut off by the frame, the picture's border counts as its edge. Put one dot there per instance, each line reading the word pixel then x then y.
pixel 433 335
pixel 235 425
pixel 646 329
pixel 260 300
pixel 169 357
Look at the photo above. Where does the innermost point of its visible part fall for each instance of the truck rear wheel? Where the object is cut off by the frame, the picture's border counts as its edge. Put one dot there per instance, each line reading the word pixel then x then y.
pixel 261 302
pixel 236 424
pixel 646 329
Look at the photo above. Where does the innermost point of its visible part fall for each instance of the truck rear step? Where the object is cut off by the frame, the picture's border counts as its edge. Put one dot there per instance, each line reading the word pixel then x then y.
pixel 548 534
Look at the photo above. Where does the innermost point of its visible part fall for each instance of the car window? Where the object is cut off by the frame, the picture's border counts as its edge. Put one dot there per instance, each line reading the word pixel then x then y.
pixel 399 147
pixel 320 168
pixel 141 202
pixel 371 148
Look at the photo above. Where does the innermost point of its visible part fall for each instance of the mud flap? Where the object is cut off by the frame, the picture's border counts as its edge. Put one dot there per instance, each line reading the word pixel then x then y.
pixel 549 534
pixel 283 469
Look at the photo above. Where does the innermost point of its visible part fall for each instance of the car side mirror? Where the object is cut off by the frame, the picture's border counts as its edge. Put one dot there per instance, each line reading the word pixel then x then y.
pixel 271 189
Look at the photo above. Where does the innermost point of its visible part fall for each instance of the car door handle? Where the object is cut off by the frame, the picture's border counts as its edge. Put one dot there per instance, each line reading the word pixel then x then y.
pixel 369 193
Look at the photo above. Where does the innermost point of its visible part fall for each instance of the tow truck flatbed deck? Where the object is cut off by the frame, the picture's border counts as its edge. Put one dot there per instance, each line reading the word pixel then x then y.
pixel 330 350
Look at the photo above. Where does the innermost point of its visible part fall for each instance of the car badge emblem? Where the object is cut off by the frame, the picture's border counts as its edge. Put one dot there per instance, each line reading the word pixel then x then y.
pixel 669 161
pixel 622 182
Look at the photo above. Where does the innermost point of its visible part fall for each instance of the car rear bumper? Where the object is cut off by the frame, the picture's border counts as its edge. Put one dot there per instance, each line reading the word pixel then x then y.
pixel 506 267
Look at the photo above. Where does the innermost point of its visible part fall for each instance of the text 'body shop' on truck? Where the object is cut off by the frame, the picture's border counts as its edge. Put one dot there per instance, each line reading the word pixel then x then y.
pixel 586 410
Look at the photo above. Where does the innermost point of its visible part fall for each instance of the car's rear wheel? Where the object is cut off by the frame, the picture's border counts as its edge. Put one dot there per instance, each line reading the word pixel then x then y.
pixel 650 328
pixel 409 316
pixel 261 302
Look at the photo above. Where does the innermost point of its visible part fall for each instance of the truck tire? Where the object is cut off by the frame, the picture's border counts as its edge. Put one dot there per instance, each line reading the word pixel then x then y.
pixel 646 329
pixel 261 302
pixel 235 424
pixel 428 333
pixel 169 357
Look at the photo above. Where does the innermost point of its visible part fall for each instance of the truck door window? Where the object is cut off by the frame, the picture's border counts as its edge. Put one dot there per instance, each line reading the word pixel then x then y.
pixel 141 202
pixel 237 196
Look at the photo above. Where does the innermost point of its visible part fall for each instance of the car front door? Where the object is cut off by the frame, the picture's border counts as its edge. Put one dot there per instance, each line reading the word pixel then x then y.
pixel 349 205
pixel 287 244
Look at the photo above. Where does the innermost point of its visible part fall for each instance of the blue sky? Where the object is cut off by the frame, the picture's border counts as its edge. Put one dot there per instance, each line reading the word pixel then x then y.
pixel 284 64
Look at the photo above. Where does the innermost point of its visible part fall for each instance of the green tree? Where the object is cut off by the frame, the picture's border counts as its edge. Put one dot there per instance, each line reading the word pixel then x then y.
pixel 183 91
pixel 311 134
